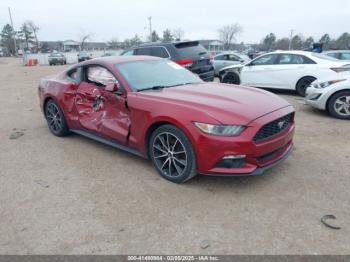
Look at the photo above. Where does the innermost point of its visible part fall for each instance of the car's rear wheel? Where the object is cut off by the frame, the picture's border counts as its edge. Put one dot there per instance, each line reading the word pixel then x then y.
pixel 172 154
pixel 55 119
pixel 339 105
pixel 303 84
pixel 230 78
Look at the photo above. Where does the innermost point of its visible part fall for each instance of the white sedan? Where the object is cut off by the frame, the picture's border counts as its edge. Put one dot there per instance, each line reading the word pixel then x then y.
pixel 331 94
pixel 292 70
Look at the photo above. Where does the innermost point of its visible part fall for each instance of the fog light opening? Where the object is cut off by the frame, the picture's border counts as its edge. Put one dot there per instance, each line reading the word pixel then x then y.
pixel 232 161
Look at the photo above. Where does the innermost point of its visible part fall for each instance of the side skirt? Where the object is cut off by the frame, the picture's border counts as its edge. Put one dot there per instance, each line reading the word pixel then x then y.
pixel 107 142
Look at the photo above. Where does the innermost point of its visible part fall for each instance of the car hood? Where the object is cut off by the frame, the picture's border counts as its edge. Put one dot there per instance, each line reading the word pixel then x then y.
pixel 227 104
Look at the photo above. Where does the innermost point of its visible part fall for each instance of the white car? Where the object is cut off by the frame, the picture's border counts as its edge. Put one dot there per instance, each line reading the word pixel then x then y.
pixel 292 70
pixel 331 94
pixel 228 58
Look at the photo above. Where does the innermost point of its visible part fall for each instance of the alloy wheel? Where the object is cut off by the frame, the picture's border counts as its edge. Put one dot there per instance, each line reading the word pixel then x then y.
pixel 54 118
pixel 169 154
pixel 342 105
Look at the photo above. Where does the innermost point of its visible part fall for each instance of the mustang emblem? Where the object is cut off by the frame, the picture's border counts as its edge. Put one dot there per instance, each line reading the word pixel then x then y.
pixel 280 124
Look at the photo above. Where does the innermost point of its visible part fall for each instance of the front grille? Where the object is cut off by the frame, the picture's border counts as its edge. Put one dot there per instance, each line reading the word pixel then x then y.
pixel 273 128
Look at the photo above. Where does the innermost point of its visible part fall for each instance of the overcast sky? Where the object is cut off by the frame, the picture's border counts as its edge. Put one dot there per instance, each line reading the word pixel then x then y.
pixel 200 19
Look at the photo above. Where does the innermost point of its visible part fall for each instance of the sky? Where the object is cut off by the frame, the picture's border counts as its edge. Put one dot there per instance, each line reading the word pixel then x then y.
pixel 199 19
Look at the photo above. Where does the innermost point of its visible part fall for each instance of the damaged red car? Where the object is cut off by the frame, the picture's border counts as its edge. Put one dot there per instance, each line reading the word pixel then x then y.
pixel 157 109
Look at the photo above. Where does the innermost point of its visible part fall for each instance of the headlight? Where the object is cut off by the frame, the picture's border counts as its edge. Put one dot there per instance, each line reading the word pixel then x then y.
pixel 220 130
pixel 328 83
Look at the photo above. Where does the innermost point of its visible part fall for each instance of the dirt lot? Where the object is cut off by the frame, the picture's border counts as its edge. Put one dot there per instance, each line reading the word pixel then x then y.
pixel 76 196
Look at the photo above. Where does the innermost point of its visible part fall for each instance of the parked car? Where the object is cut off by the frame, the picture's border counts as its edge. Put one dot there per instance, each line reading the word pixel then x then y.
pixel 57 58
pixel 111 53
pixel 339 54
pixel 331 94
pixel 83 56
pixel 157 109
pixel 190 54
pixel 292 70
pixel 228 58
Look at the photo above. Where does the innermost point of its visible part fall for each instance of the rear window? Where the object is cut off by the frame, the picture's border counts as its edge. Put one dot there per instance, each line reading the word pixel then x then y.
pixel 190 49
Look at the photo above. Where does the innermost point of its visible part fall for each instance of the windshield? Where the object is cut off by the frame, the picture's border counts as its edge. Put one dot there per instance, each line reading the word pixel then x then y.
pixel 142 75
pixel 326 57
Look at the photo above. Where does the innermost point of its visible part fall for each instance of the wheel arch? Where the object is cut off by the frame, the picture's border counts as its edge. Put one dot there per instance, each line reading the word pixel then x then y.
pixel 301 78
pixel 165 121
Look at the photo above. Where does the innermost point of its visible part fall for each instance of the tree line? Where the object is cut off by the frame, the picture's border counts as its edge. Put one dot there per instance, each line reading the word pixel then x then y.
pixel 299 42
pixel 26 35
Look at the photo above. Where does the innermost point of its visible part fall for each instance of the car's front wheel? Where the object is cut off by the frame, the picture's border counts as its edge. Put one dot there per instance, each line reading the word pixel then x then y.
pixel 172 154
pixel 339 105
pixel 230 78
pixel 55 119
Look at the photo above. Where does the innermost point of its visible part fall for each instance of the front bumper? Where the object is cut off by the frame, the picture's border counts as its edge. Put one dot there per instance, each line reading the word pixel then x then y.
pixel 316 97
pixel 259 156
pixel 260 170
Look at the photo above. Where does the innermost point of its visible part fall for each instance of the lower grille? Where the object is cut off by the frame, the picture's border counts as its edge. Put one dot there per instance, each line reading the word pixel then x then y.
pixel 273 128
pixel 272 154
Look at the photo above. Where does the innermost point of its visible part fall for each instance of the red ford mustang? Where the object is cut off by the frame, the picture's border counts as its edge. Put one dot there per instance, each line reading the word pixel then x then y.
pixel 157 109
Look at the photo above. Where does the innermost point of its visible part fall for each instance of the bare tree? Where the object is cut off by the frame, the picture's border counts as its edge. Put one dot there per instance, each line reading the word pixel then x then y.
pixel 35 29
pixel 228 33
pixel 83 38
pixel 178 34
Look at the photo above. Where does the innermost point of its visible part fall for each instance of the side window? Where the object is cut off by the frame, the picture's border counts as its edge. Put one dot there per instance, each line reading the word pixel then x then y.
pixel 73 74
pixel 99 76
pixel 265 60
pixel 143 51
pixel 335 55
pixel 345 56
pixel 290 59
pixel 159 52
pixel 232 57
pixel 220 57
pixel 307 60
pixel 129 52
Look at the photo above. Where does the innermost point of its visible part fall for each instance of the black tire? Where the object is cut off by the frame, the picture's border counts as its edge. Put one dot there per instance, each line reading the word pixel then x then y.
pixel 304 83
pixel 230 78
pixel 172 154
pixel 50 64
pixel 334 105
pixel 55 119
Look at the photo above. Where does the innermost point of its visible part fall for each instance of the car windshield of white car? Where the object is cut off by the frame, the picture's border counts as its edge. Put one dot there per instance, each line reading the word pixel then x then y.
pixel 156 74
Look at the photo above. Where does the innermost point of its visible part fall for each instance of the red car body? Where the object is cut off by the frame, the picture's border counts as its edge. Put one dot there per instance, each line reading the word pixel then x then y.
pixel 128 119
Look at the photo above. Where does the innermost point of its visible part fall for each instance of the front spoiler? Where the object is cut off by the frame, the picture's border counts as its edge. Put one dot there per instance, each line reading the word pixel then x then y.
pixel 258 171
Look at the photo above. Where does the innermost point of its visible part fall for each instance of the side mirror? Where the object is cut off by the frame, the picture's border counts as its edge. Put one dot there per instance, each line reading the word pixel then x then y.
pixel 114 88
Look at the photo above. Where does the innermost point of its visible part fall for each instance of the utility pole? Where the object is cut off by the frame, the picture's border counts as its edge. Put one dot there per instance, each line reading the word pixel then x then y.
pixel 290 38
pixel 150 28
pixel 14 37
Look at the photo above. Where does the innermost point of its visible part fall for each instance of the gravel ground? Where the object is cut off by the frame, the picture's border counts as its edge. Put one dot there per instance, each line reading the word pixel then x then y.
pixel 76 196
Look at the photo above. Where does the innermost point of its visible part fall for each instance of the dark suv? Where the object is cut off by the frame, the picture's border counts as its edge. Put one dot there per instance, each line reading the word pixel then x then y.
pixel 191 55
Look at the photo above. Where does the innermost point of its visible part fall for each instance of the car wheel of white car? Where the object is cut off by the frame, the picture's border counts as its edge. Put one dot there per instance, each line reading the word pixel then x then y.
pixel 230 78
pixel 303 84
pixel 339 105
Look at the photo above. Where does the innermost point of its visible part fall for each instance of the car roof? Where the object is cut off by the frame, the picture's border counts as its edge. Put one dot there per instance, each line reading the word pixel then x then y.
pixel 164 44
pixel 112 60
pixel 336 51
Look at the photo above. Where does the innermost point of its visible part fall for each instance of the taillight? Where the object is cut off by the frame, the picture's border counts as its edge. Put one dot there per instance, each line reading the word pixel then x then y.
pixel 185 62
pixel 340 69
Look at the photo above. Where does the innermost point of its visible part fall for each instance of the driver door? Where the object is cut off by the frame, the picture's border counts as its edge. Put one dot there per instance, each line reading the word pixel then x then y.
pixel 100 111
pixel 259 72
